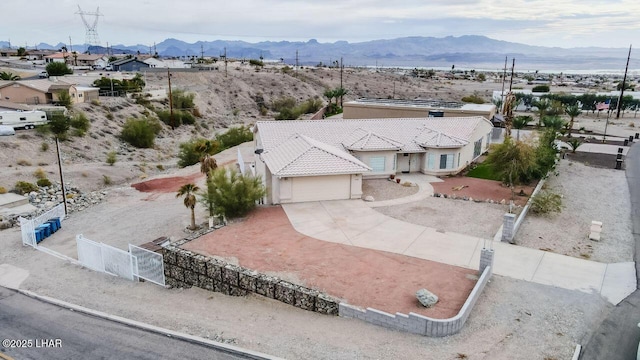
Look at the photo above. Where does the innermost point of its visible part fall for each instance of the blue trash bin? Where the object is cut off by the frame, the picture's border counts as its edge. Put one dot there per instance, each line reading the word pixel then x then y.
pixel 58 223
pixel 47 229
pixel 54 225
pixel 39 234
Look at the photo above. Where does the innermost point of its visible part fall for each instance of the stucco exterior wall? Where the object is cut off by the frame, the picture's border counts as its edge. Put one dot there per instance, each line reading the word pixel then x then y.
pixel 21 94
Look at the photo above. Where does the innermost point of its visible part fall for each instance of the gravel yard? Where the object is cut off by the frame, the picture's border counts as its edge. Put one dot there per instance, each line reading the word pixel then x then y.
pixel 383 189
pixel 589 193
pixel 459 216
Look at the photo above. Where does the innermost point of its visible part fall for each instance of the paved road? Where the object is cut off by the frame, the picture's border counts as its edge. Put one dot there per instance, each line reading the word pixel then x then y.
pixel 84 337
pixel 618 335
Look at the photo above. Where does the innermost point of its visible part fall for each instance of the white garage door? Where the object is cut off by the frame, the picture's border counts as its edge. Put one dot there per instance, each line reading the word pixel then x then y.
pixel 316 188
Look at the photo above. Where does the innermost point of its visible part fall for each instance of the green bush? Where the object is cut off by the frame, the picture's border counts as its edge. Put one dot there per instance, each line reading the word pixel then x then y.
pixel 44 146
pixel 111 157
pixel 188 154
pixel 140 133
pixel 43 182
pixel 540 88
pixel 58 69
pixel 3 190
pixel 23 187
pixel 546 203
pixel 180 117
pixel 106 180
pixel 64 99
pixel 80 123
pixel 234 136
pixel 474 99
pixel 231 194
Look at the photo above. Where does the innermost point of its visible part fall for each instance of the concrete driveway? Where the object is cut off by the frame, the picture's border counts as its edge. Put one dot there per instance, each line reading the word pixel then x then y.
pixel 355 223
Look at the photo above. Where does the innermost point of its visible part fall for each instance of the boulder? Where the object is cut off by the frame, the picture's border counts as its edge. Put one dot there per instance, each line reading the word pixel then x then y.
pixel 426 298
pixel 369 198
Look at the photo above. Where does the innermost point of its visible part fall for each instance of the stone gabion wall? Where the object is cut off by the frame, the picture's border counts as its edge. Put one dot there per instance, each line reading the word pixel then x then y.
pixel 184 268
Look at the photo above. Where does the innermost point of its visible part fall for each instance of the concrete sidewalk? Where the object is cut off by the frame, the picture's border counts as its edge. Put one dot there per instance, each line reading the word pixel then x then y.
pixel 353 222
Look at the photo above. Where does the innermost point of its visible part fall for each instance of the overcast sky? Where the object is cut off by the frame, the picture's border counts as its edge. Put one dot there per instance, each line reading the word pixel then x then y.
pixel 563 23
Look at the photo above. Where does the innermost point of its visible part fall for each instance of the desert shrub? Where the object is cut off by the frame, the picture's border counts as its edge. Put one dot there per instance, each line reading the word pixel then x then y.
pixel 231 194
pixel 180 117
pixel 474 99
pixel 95 102
pixel 109 116
pixel 160 167
pixel 106 180
pixel 234 136
pixel 111 157
pixel 24 162
pixel 285 102
pixel 40 174
pixel 23 187
pixel 540 88
pixel 80 123
pixel 140 133
pixel 64 99
pixel 3 190
pixel 44 182
pixel 546 203
pixel 188 154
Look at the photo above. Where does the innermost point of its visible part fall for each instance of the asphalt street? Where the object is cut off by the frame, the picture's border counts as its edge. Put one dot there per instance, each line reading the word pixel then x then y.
pixel 617 336
pixel 33 329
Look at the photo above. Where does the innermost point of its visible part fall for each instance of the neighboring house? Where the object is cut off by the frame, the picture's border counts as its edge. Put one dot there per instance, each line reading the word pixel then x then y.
pixel 327 159
pixel 94 61
pixel 34 92
pixel 129 64
pixel 167 63
pixel 393 108
pixel 86 94
pixel 57 57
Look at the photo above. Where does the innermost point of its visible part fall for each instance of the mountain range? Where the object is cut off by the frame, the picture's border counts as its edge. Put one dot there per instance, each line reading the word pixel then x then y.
pixel 463 52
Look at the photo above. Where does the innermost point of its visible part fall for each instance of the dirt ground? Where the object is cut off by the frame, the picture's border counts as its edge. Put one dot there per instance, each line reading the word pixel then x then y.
pixel 266 241
pixel 167 184
pixel 481 189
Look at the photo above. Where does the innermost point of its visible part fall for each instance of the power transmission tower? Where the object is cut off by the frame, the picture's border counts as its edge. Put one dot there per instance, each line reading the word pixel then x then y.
pixel 91 36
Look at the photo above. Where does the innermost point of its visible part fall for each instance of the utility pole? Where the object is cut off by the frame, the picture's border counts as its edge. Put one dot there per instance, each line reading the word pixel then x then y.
pixel 64 191
pixel 202 52
pixel 504 75
pixel 624 81
pixel 170 102
pixel 225 61
pixel 342 89
pixel 296 62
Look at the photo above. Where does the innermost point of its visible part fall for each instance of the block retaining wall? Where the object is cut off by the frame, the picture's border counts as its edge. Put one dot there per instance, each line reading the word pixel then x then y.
pixel 416 323
pixel 184 268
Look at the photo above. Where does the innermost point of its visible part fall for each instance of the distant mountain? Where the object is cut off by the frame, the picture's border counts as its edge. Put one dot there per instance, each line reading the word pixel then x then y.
pixel 469 51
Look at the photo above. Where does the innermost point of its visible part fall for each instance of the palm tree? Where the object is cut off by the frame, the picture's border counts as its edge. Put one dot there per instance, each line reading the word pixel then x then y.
pixel 4 75
pixel 188 191
pixel 543 105
pixel 519 122
pixel 573 111
pixel 339 93
pixel 207 162
pixel 329 94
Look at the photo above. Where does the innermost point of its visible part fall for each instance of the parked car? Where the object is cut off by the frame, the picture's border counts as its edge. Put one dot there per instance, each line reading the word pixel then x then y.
pixel 43 75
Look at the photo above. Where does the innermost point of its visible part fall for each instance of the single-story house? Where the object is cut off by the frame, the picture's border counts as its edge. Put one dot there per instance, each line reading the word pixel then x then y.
pixel 34 92
pixel 313 160
pixel 365 108
pixel 129 64
pixel 166 63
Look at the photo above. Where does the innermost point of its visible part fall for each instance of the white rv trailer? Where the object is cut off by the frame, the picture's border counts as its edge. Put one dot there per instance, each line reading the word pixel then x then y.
pixel 23 119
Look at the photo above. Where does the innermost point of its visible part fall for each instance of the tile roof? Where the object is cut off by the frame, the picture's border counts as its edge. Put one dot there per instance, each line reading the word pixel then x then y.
pixel 300 155
pixel 321 147
pixel 410 133
pixel 363 140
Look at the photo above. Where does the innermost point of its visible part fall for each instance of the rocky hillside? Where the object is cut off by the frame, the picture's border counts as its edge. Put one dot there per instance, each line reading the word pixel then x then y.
pixel 223 100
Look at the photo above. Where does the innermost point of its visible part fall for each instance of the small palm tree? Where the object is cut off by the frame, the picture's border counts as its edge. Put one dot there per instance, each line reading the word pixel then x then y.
pixel 207 162
pixel 543 106
pixel 519 122
pixel 329 94
pixel 574 143
pixel 573 111
pixel 188 191
pixel 4 75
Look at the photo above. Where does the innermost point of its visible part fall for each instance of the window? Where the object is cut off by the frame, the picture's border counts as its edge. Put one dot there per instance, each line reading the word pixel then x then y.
pixel 446 161
pixel 23 119
pixel 377 163
pixel 431 161
pixel 477 148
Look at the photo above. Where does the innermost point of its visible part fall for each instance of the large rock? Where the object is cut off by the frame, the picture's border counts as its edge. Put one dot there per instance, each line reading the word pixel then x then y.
pixel 369 198
pixel 426 297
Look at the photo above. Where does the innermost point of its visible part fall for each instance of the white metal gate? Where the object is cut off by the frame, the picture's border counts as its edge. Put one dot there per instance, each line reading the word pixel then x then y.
pixel 150 265
pixel 104 258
